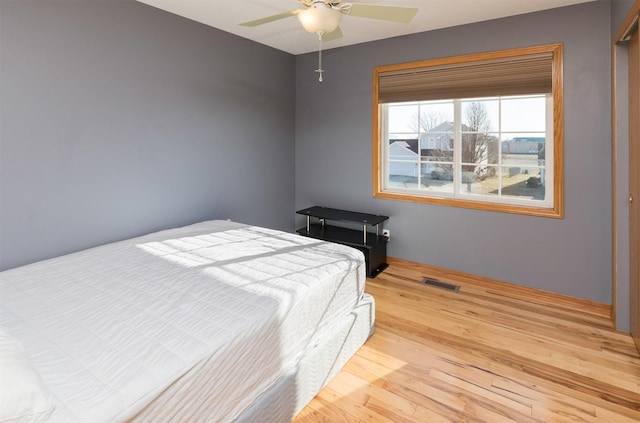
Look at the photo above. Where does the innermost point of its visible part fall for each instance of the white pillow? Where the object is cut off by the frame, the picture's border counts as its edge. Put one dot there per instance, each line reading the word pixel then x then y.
pixel 23 395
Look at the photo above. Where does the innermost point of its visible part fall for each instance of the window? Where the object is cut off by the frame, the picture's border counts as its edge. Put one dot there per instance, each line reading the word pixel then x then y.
pixel 479 131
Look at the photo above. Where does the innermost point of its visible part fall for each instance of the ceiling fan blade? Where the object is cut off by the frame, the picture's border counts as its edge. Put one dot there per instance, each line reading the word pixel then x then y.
pixel 272 18
pixel 385 13
pixel 333 35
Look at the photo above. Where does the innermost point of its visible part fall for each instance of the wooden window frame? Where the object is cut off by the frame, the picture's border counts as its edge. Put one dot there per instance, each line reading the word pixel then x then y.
pixel 556 210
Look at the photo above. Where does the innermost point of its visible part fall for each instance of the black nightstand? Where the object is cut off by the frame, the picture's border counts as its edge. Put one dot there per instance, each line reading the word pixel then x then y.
pixel 372 244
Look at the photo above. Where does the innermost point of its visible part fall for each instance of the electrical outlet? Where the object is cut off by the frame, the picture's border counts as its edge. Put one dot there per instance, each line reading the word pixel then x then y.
pixel 386 233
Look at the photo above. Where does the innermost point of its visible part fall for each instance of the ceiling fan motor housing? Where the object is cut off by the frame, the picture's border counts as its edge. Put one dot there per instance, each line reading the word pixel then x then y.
pixel 320 18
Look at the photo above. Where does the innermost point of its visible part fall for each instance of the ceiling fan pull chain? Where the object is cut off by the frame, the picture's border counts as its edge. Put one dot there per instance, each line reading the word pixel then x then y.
pixel 319 70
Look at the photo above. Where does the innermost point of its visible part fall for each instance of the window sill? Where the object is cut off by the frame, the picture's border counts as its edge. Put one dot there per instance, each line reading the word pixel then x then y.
pixel 552 212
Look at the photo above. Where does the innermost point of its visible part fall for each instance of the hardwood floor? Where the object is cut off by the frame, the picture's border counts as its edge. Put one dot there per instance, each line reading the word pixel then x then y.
pixel 491 352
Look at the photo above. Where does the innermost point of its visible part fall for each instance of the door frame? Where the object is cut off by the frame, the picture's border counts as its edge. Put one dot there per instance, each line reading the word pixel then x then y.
pixel 629 25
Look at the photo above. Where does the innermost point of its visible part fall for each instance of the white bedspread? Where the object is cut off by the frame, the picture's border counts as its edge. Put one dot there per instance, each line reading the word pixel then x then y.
pixel 112 328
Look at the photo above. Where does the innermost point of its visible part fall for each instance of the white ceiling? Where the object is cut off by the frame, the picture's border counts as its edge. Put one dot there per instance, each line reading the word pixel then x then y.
pixel 288 35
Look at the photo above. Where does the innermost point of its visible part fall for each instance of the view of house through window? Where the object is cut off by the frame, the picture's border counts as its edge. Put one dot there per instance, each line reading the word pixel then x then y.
pixel 496 147
pixel 443 139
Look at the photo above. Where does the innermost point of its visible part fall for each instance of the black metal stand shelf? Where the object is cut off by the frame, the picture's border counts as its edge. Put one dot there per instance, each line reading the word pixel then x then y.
pixel 372 244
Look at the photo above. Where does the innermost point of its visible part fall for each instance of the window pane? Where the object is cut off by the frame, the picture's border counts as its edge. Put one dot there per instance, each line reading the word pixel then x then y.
pixel 480 149
pixel 524 186
pixel 437 177
pixel 437 145
pixel 403 175
pixel 523 154
pixel 484 183
pixel 480 115
pixel 522 143
pixel 521 161
pixel 403 157
pixel 523 114
pixel 403 117
pixel 436 116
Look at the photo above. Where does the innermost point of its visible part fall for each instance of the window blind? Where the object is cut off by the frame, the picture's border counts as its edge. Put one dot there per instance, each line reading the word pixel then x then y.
pixel 498 76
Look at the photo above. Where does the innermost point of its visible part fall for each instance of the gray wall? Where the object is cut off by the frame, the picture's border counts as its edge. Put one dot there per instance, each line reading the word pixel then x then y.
pixel 119 119
pixel 619 11
pixel 570 256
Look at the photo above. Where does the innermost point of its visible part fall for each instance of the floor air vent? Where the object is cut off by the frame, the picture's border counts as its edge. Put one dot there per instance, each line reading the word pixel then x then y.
pixel 441 285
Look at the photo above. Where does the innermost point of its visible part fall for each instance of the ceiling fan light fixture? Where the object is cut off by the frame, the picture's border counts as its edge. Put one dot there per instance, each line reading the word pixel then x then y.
pixel 320 18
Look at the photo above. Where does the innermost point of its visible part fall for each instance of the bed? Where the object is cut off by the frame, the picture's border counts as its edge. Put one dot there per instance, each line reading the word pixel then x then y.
pixel 216 321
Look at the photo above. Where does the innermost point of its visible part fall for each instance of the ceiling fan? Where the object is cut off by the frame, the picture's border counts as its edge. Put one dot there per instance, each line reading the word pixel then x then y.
pixel 322 17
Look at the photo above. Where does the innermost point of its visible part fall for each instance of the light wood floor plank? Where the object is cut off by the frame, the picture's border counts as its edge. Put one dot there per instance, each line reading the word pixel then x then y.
pixel 492 352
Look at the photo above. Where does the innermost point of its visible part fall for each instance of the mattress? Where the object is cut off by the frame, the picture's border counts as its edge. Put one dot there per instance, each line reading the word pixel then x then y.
pixel 333 349
pixel 128 329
